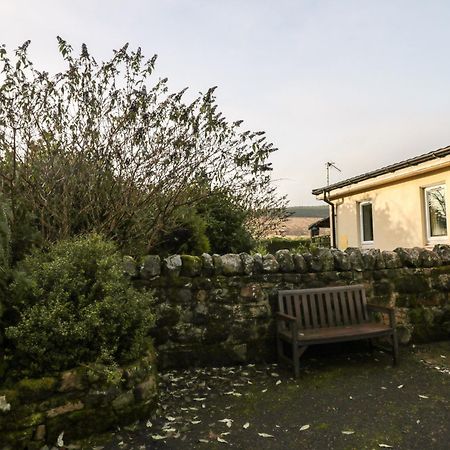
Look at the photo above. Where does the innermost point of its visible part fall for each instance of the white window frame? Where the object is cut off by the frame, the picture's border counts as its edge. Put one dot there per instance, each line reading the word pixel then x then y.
pixel 361 223
pixel 427 214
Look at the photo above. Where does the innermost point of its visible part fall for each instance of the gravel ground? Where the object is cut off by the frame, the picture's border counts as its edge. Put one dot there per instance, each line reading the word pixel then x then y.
pixel 345 398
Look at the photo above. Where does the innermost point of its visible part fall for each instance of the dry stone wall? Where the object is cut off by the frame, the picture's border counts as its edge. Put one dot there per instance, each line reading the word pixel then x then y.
pixel 75 404
pixel 219 309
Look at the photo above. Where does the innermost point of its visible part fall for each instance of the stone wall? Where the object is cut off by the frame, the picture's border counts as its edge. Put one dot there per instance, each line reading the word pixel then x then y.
pixel 78 403
pixel 219 309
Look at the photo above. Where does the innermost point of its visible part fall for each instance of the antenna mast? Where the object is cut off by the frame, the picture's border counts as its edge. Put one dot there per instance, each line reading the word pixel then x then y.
pixel 333 165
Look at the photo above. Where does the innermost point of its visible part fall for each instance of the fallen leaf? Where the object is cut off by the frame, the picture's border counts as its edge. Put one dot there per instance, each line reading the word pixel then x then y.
pixel 278 382
pixel 422 396
pixel 347 432
pixel 195 422
pixel 148 424
pixel 264 390
pixel 304 427
pixel 204 441
pixel 246 425
pixel 60 440
pixel 400 386
pixel 385 446
pixel 219 439
pixel 265 435
pixel 158 437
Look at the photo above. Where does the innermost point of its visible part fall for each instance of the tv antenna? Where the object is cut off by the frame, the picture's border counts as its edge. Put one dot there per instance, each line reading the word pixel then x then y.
pixel 330 164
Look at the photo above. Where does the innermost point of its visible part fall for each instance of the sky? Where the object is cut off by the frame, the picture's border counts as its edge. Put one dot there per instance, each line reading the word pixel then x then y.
pixel 356 82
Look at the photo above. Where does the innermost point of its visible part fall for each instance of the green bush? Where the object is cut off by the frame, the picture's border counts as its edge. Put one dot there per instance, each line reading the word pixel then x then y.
pixel 274 244
pixel 74 305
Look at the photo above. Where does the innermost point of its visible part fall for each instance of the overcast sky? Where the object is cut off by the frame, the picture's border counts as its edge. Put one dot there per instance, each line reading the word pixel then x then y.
pixel 361 83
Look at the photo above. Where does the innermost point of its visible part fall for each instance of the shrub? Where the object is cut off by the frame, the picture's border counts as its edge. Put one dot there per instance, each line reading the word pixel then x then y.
pixel 74 305
pixel 298 245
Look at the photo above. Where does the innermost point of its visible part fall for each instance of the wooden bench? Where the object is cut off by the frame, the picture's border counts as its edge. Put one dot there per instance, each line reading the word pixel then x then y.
pixel 318 316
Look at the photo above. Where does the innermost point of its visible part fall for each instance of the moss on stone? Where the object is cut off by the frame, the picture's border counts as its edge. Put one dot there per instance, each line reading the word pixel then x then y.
pixel 191 265
pixel 32 389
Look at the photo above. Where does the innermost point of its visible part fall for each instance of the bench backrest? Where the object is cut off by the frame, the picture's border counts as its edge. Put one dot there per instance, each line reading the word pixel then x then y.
pixel 325 307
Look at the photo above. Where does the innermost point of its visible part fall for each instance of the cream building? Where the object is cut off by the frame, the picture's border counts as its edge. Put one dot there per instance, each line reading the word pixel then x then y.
pixel 401 205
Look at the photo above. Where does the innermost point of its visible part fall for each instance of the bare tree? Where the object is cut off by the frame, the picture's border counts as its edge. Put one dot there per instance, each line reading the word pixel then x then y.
pixel 104 147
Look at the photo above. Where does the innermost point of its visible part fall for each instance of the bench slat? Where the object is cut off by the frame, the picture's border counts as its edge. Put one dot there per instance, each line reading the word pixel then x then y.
pixel 351 306
pixel 313 306
pixel 297 309
pixel 305 309
pixel 331 322
pixel 344 307
pixel 289 301
pixel 364 305
pixel 322 316
pixel 337 309
pixel 359 307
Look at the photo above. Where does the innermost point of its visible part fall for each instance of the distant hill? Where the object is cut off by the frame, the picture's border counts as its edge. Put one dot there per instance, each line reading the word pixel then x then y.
pixel 309 211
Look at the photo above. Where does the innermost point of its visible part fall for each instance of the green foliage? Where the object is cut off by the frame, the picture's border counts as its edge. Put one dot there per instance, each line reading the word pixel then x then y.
pixel 226 224
pixel 5 259
pixel 5 237
pixel 186 236
pixel 105 147
pixel 217 224
pixel 74 305
pixel 274 244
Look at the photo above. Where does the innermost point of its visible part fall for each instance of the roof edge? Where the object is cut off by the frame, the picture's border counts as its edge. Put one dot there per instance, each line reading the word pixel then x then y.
pixel 435 154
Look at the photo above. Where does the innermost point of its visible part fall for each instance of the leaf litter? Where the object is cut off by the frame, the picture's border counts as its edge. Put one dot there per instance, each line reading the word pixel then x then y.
pixel 196 390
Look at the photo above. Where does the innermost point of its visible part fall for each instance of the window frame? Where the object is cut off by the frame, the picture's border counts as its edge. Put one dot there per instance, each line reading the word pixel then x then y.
pixel 429 237
pixel 361 223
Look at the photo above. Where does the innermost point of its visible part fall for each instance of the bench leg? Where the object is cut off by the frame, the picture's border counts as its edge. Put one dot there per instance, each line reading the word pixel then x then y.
pixel 371 346
pixel 296 359
pixel 297 353
pixel 395 347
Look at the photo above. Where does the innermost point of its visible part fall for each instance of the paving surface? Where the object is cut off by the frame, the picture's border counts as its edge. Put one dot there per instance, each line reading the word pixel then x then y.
pixel 345 398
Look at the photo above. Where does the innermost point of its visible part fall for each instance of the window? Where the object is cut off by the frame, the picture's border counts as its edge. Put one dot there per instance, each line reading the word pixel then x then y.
pixel 365 217
pixel 435 212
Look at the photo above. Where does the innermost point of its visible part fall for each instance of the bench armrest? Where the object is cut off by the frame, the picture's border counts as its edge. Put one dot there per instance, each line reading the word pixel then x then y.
pixel 383 310
pixel 286 317
pixel 290 321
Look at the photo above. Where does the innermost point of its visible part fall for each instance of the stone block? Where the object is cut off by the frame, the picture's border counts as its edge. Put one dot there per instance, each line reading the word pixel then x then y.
pixel 146 390
pixel 207 264
pixel 232 264
pixel 410 257
pixel 391 259
pixel 39 434
pixel 341 260
pixel 285 261
pixel 151 266
pixel 71 380
pixel 130 266
pixel 270 264
pixel 443 251
pixel 66 408
pixel 123 401
pixel 258 263
pixel 299 263
pixel 355 258
pixel 172 265
pixel 191 265
pixel 247 263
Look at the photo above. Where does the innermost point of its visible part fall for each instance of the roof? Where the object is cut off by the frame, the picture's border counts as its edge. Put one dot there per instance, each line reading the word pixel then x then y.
pixel 439 153
pixel 321 223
